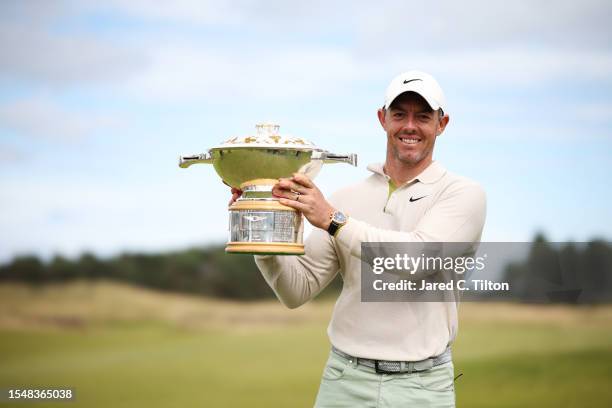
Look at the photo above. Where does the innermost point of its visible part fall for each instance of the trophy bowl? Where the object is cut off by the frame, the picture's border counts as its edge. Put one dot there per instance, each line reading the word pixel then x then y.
pixel 258 223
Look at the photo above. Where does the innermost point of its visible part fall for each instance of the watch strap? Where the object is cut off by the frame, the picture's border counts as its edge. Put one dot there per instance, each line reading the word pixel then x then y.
pixel 333 228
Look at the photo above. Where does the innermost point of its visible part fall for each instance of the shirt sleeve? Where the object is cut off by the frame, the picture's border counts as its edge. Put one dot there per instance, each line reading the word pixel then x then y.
pixel 458 215
pixel 297 279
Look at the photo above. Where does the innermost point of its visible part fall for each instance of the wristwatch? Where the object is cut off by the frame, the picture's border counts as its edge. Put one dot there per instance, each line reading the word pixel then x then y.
pixel 338 219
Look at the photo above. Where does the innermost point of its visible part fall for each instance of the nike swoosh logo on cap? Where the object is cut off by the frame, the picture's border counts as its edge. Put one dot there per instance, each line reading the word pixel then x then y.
pixel 410 80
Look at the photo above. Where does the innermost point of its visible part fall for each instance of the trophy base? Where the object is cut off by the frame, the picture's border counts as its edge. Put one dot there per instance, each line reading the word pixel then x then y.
pixel 265 248
pixel 264 227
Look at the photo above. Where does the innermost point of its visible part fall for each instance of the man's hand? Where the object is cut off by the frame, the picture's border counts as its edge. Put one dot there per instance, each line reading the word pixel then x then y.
pixel 300 193
pixel 236 193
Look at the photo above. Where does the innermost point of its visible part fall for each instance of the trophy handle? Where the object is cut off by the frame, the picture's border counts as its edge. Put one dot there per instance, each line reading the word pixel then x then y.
pixel 328 157
pixel 186 161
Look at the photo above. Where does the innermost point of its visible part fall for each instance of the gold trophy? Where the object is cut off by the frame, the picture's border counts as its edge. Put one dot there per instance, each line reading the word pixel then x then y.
pixel 258 222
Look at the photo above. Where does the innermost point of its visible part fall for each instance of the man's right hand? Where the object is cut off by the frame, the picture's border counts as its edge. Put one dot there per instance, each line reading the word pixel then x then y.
pixel 236 193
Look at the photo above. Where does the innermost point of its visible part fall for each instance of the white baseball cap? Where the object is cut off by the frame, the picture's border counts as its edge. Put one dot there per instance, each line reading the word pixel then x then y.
pixel 419 82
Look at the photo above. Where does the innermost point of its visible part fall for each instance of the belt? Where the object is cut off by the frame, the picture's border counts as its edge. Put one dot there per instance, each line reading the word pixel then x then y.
pixel 395 367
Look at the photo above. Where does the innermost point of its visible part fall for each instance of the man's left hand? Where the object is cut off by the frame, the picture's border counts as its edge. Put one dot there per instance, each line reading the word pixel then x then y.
pixel 300 192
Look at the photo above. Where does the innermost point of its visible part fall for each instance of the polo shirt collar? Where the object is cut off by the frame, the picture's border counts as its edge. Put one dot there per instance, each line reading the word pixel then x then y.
pixel 430 175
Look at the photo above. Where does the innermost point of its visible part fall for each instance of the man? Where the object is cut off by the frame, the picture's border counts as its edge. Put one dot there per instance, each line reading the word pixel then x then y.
pixel 384 354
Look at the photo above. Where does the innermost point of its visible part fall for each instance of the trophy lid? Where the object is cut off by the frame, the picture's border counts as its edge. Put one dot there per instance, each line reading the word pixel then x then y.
pixel 267 136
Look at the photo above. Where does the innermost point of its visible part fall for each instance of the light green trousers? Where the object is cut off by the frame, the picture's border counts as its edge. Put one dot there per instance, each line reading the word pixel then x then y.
pixel 346 384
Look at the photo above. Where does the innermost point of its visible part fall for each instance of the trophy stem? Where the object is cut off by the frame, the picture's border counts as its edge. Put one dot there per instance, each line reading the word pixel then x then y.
pixel 260 183
pixel 258 189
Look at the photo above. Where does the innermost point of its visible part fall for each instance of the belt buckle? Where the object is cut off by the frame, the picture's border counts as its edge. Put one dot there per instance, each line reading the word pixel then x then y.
pixel 424 365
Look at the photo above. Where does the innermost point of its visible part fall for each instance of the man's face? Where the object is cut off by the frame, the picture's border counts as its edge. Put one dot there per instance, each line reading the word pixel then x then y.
pixel 412 127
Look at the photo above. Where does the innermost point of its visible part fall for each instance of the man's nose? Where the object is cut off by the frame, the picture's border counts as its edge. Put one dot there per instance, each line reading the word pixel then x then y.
pixel 409 123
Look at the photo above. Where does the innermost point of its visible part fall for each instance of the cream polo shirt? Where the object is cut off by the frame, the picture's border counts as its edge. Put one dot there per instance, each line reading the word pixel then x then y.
pixel 452 209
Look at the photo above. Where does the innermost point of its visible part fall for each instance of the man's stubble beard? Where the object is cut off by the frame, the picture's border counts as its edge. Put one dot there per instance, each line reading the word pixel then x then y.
pixel 411 160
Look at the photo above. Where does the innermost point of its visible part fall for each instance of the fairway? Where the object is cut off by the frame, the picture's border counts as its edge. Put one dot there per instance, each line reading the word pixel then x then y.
pixel 125 347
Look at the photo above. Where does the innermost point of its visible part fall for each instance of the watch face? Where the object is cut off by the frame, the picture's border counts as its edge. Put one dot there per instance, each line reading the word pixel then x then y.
pixel 339 217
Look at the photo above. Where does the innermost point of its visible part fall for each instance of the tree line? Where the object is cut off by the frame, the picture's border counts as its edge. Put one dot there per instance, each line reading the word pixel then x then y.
pixel 562 273
pixel 207 271
pixel 567 273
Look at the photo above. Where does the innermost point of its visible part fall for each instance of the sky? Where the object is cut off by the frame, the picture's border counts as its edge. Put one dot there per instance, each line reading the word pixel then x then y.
pixel 98 100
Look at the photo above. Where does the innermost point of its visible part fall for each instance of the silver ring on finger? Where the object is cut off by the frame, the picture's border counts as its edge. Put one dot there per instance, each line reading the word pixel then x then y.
pixel 297 196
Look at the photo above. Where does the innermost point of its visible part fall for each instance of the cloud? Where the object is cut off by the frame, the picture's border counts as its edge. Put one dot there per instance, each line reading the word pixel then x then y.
pixel 9 154
pixel 35 11
pixel 598 112
pixel 42 118
pixel 396 27
pixel 184 72
pixel 518 43
pixel 193 11
pixel 515 66
pixel 70 216
pixel 241 14
pixel 190 72
pixel 36 55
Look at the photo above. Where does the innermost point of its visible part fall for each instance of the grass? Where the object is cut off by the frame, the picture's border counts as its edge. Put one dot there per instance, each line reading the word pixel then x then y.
pixel 154 365
pixel 121 346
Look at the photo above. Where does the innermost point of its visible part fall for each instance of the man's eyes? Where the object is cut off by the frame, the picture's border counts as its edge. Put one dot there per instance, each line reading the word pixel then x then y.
pixel 421 116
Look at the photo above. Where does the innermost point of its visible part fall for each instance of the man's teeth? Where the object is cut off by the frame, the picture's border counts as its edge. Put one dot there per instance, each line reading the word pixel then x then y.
pixel 409 141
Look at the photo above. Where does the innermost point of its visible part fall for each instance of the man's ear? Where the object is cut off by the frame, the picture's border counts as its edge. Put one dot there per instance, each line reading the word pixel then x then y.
pixel 442 124
pixel 381 117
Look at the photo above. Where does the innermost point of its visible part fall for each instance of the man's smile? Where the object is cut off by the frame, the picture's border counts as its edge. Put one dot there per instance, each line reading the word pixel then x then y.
pixel 409 140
